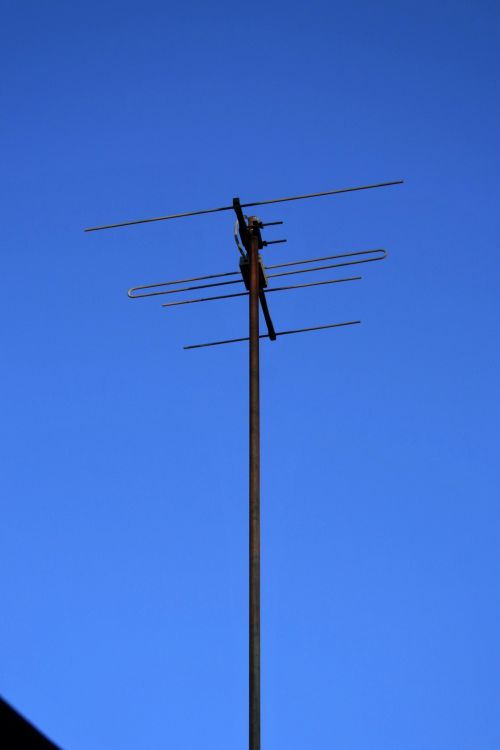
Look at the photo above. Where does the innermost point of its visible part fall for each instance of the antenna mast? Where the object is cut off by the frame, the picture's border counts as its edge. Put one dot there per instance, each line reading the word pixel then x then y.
pixel 252 273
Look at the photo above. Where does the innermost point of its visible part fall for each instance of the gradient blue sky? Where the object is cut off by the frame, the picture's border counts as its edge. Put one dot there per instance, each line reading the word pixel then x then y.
pixel 124 525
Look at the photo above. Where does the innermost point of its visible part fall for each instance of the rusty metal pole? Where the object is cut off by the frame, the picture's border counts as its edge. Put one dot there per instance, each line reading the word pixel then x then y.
pixel 254 547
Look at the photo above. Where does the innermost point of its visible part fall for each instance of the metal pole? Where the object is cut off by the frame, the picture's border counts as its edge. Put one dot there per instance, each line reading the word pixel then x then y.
pixel 254 547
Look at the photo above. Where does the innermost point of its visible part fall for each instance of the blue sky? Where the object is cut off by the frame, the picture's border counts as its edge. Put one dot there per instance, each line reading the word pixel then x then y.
pixel 124 482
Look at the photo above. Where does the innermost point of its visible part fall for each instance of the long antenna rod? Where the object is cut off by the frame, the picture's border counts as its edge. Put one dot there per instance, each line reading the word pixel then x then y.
pixel 265 291
pixel 278 333
pixel 243 205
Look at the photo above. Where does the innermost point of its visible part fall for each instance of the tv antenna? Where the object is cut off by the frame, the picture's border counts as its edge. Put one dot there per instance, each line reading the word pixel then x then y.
pixel 255 276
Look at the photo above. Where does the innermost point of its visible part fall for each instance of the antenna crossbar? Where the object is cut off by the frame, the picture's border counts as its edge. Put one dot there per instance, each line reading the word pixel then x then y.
pixel 265 291
pixel 321 268
pixel 329 257
pixel 278 333
pixel 243 205
pixel 181 289
pixel 132 293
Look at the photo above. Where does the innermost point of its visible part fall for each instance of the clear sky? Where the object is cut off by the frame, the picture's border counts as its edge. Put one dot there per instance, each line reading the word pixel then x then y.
pixel 123 541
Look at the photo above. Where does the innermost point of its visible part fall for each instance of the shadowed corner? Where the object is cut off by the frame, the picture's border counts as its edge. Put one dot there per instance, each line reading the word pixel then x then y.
pixel 18 732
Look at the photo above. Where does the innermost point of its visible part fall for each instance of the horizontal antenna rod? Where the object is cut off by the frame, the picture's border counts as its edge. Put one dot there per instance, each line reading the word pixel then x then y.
pixel 132 295
pixel 326 192
pixel 323 268
pixel 278 333
pixel 244 205
pixel 133 292
pixel 181 289
pixel 328 257
pixel 266 291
